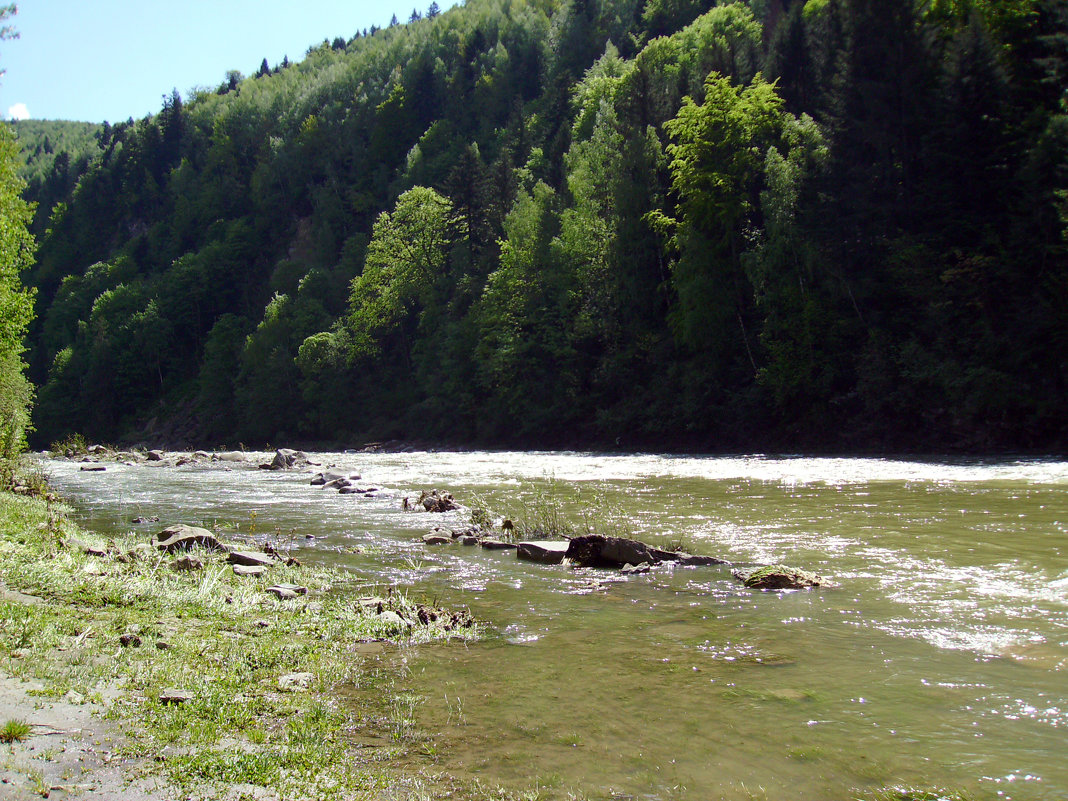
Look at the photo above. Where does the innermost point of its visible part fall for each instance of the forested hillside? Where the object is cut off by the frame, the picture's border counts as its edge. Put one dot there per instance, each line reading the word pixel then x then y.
pixel 833 224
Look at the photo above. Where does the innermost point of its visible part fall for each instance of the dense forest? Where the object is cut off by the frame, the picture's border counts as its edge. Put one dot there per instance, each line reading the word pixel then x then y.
pixel 774 224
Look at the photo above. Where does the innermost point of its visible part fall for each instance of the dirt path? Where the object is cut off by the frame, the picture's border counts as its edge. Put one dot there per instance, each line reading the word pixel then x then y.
pixel 68 753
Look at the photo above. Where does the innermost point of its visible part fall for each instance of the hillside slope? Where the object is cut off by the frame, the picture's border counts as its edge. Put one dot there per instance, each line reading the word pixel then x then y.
pixel 837 224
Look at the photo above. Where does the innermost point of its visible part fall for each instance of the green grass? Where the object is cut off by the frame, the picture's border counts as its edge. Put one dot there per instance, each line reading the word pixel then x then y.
pixel 543 513
pixel 14 730
pixel 227 641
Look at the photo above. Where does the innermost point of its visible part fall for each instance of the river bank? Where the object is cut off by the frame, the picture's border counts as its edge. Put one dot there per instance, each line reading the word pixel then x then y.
pixel 150 674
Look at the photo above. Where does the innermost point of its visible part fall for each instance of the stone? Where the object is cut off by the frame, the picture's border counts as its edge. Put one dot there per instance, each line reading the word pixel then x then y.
pixel 285 458
pixel 778 577
pixel 155 456
pixel 249 570
pixel 546 552
pixel 436 539
pixel 287 592
pixel 250 558
pixel 93 468
pixel 634 570
pixel 137 521
pixel 230 456
pixel 186 563
pixel 436 501
pixel 467 539
pixel 498 545
pixel 295 682
pixel 201 454
pixel 182 537
pixel 689 560
pixel 175 696
pixel 329 476
pixel 597 550
pixel 162 645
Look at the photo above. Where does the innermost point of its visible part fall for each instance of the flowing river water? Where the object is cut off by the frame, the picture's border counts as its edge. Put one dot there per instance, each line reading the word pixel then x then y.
pixel 939 659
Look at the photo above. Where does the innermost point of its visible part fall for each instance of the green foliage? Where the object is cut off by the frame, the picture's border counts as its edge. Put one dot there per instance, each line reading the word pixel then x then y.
pixel 644 223
pixel 404 273
pixel 16 302
pixel 54 146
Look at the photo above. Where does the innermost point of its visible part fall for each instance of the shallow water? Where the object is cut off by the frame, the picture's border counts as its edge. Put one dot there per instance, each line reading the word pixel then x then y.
pixel 940 659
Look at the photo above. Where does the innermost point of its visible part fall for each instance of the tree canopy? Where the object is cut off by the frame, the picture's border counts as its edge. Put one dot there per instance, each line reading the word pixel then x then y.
pixel 832 224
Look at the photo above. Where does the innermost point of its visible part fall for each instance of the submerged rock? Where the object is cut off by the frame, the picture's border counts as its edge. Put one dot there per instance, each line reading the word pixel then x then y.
pixel 778 577
pixel 690 560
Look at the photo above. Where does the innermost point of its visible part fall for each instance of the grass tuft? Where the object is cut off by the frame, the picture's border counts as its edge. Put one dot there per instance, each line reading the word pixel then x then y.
pixel 14 730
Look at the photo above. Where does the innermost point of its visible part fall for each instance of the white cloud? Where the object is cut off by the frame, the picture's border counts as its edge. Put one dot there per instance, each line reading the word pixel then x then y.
pixel 18 112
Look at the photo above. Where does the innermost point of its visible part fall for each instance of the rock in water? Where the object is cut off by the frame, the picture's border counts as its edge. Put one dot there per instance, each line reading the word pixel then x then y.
pixel 597 550
pixel 435 501
pixel 546 552
pixel 779 577
pixel 284 458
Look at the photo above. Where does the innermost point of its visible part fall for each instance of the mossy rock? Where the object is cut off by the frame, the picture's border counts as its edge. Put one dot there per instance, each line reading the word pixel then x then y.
pixel 779 577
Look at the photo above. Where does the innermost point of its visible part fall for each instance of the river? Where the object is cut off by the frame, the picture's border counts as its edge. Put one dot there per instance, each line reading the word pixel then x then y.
pixel 939 659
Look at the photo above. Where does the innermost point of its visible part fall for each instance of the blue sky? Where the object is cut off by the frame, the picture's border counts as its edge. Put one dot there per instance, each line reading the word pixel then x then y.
pixel 115 59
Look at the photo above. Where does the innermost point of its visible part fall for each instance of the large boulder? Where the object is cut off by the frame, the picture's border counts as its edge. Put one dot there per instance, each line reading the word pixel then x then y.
pixel 183 537
pixel 778 577
pixel 597 550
